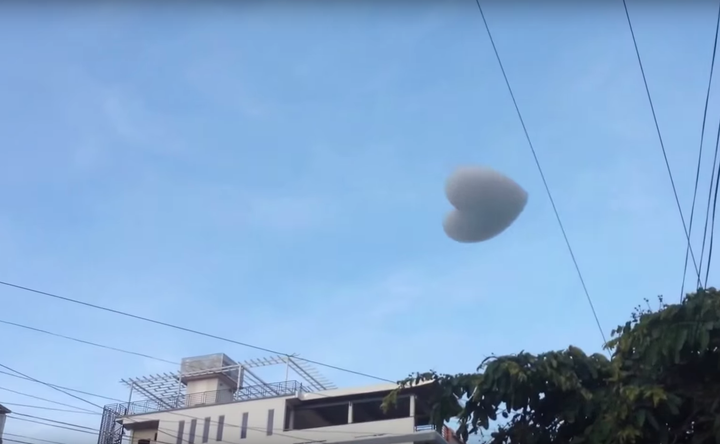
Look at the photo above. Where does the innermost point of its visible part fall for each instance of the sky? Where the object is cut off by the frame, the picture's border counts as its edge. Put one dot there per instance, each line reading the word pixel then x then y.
pixel 274 173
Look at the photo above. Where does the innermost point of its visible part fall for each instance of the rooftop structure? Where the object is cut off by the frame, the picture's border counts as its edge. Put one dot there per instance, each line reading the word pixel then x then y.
pixel 215 399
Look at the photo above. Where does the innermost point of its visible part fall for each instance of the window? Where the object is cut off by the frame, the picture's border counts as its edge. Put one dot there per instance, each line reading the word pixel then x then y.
pixel 310 417
pixel 180 430
pixel 206 430
pixel 369 410
pixel 144 441
pixel 243 426
pixel 193 429
pixel 221 422
pixel 271 418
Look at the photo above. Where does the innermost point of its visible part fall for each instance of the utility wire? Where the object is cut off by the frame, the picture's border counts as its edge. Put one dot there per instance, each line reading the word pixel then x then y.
pixel 715 198
pixel 40 407
pixel 659 134
pixel 52 425
pixel 52 387
pixel 39 418
pixel 64 388
pixel 45 399
pixel 30 437
pixel 542 174
pixel 699 161
pixel 82 341
pixel 708 205
pixel 190 330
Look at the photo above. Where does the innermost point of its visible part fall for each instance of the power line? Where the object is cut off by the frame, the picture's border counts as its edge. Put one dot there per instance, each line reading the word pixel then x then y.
pixel 64 388
pixel 712 225
pixel 30 437
pixel 188 330
pixel 52 425
pixel 542 174
pixel 82 341
pixel 40 407
pixel 44 399
pixel 39 418
pixel 699 161
pixel 659 134
pixel 51 386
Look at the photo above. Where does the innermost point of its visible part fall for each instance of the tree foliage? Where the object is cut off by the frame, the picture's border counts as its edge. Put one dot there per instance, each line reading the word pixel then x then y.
pixel 661 385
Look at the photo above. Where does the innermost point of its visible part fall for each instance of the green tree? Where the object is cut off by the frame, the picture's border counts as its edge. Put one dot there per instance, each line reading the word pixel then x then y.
pixel 661 385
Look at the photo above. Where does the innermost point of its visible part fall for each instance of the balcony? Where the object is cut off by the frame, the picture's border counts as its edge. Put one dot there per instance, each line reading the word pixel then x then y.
pixel 248 393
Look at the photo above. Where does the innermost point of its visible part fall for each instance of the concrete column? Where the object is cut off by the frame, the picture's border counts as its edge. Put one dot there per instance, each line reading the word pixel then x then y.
pixel 350 413
pixel 412 406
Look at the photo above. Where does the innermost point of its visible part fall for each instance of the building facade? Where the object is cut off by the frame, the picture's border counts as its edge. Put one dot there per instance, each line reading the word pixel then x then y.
pixel 214 403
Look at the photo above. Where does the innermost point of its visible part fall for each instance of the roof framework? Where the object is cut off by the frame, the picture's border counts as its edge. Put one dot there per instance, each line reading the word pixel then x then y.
pixel 163 386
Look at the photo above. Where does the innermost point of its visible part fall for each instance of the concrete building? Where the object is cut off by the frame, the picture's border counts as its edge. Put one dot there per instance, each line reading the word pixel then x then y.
pixel 3 416
pixel 213 399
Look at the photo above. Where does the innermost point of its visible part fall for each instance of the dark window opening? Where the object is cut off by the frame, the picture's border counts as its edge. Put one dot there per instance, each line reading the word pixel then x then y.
pixel 221 422
pixel 206 430
pixel 271 418
pixel 369 411
pixel 181 429
pixel 244 426
pixel 322 416
pixel 193 429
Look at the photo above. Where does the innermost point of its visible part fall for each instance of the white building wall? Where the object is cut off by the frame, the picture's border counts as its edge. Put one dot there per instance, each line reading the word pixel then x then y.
pixel 257 411
pixel 2 425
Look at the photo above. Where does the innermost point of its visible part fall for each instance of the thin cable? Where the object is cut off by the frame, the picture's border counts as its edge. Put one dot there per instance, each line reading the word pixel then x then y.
pixel 659 134
pixel 712 225
pixel 190 330
pixel 52 387
pixel 108 398
pixel 30 437
pixel 699 161
pixel 40 418
pixel 82 341
pixel 52 425
pixel 40 407
pixel 542 174
pixel 708 205
pixel 45 399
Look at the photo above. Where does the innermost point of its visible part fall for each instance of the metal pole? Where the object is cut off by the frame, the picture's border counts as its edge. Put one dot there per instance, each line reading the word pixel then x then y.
pixel 287 368
pixel 132 386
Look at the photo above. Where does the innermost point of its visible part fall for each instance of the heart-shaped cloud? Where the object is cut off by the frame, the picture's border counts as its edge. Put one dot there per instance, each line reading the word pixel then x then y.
pixel 486 202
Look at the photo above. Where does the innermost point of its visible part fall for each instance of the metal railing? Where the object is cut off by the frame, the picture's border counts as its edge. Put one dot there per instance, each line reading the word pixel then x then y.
pixel 276 389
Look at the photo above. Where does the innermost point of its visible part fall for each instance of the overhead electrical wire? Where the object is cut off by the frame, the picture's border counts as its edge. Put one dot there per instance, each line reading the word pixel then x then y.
pixel 82 341
pixel 30 437
pixel 189 330
pixel 108 398
pixel 44 399
pixel 714 208
pixel 52 425
pixel 699 160
pixel 660 138
pixel 41 407
pixel 542 174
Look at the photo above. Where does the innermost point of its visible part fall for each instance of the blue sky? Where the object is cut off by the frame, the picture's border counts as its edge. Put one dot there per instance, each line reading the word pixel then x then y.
pixel 274 174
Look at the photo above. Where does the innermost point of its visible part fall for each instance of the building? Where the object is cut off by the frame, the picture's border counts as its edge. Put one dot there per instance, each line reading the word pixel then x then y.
pixel 213 399
pixel 3 416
